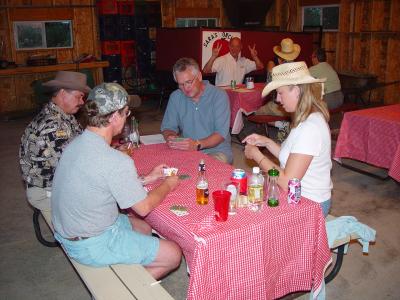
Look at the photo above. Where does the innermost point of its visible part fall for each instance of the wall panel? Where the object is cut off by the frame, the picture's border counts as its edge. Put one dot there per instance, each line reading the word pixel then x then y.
pixel 16 91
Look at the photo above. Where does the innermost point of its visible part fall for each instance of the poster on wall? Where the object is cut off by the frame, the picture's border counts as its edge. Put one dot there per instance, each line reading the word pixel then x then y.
pixel 211 39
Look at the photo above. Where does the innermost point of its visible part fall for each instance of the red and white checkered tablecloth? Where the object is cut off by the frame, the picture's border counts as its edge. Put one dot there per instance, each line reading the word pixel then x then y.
pixel 372 136
pixel 253 255
pixel 243 101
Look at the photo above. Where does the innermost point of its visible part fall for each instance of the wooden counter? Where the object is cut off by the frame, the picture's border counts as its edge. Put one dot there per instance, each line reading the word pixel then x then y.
pixel 15 83
pixel 53 68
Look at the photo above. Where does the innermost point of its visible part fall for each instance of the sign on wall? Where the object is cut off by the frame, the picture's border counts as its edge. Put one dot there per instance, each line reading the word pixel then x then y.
pixel 212 39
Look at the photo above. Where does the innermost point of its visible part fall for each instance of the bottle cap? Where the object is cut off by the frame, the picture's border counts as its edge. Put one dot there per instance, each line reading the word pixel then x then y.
pixel 273 172
pixel 256 170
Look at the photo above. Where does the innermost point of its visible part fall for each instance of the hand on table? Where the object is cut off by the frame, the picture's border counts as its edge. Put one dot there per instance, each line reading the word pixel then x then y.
pixel 256 140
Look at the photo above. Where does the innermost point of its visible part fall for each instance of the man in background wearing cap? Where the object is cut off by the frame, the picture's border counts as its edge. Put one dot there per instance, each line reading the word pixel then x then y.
pixel 93 179
pixel 286 52
pixel 232 66
pixel 48 133
pixel 332 88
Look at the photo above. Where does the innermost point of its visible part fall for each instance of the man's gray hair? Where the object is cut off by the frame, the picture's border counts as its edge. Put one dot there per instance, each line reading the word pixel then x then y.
pixel 185 63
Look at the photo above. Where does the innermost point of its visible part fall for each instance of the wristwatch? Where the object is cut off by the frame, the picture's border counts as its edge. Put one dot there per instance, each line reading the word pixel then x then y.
pixel 198 147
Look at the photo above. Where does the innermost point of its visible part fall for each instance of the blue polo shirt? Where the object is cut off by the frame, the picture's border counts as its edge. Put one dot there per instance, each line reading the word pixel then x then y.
pixel 199 120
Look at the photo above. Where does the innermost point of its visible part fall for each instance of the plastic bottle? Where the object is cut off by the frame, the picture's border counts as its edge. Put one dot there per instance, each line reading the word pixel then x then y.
pixel 202 185
pixel 255 190
pixel 273 189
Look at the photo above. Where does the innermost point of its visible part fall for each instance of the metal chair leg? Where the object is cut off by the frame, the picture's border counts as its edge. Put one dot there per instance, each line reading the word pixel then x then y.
pixel 337 266
pixel 38 233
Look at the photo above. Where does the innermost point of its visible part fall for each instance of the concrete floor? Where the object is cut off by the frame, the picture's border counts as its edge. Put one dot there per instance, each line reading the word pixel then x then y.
pixel 32 271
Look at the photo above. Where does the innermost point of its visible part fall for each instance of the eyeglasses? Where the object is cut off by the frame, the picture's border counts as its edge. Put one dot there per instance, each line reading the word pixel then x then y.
pixel 188 83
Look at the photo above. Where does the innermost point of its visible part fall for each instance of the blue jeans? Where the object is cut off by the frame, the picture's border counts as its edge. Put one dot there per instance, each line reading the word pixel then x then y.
pixel 326 206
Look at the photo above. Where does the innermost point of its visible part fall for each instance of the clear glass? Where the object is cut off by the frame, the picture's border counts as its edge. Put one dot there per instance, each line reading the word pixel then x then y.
pixel 126 130
pixel 234 188
pixel 134 132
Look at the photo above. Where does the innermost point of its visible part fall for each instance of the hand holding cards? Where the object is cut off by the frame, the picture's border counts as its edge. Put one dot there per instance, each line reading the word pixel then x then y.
pixel 167 171
pixel 179 143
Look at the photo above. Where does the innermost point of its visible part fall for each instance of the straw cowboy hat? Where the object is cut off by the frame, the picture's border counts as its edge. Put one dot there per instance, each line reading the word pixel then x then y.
pixel 69 80
pixel 287 50
pixel 290 74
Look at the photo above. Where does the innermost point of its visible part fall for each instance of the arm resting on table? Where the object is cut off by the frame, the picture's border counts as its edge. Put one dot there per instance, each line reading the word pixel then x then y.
pixel 155 196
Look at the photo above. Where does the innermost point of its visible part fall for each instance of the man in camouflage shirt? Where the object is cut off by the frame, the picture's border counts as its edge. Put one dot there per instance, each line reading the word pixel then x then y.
pixel 48 134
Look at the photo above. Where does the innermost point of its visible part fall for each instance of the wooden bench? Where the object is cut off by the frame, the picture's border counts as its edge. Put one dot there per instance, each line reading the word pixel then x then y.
pixel 339 245
pixel 120 282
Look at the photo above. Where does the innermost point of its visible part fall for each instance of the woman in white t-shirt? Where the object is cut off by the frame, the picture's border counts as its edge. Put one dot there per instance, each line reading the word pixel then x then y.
pixel 306 153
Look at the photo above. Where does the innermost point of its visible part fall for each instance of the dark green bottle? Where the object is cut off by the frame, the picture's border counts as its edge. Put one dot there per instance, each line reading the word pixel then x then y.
pixel 273 189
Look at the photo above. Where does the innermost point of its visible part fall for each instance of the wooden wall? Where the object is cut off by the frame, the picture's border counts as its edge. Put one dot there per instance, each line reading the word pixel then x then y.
pixel 367 40
pixel 16 91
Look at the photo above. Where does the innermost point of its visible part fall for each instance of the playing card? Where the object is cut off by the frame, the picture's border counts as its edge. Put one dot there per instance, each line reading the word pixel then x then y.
pixel 179 210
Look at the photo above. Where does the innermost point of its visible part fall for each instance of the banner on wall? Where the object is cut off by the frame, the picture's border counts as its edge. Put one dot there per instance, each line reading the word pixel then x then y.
pixel 212 39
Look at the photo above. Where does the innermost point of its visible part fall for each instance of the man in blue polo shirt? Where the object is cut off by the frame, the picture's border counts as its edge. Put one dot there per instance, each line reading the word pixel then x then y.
pixel 198 113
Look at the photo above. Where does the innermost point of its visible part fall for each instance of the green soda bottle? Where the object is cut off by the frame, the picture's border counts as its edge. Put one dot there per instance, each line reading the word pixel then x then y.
pixel 273 189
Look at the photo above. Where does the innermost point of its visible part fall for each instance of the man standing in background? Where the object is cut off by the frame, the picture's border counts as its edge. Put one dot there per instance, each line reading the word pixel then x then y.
pixel 232 66
pixel 332 88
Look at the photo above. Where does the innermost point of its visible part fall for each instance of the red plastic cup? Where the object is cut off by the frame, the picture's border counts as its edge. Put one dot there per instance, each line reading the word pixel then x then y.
pixel 221 204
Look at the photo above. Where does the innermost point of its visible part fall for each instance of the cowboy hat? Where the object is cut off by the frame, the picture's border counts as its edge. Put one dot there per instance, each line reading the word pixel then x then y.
pixel 69 80
pixel 290 74
pixel 287 50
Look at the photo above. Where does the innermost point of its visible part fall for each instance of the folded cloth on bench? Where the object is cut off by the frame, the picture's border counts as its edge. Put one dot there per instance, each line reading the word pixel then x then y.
pixel 344 226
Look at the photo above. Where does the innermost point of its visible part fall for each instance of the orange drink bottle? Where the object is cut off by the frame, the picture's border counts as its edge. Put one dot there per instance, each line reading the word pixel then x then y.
pixel 202 185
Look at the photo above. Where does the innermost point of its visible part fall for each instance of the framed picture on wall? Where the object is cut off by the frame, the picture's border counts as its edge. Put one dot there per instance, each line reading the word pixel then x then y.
pixel 43 34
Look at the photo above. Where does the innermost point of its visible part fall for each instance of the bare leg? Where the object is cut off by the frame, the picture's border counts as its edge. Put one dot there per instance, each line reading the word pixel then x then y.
pixel 169 254
pixel 139 225
pixel 168 258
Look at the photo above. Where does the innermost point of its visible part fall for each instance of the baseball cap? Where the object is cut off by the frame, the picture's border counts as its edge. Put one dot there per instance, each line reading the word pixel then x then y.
pixel 109 97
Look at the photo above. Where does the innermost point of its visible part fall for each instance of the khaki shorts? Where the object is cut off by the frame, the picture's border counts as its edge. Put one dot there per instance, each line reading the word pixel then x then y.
pixel 272 109
pixel 39 197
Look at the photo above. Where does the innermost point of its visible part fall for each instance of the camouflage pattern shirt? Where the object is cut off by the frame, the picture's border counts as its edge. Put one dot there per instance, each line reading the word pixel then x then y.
pixel 43 142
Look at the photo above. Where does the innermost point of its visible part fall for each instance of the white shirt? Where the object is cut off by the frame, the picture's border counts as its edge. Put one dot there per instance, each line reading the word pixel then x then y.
pixel 312 137
pixel 227 69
